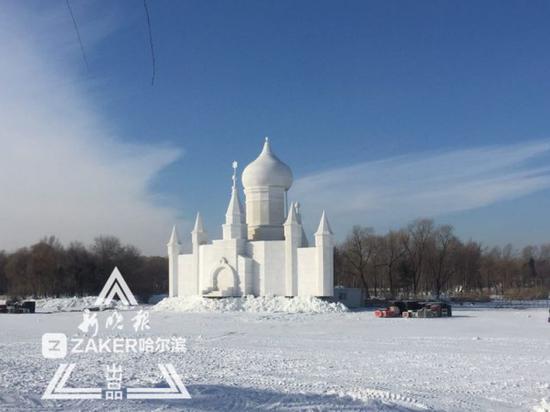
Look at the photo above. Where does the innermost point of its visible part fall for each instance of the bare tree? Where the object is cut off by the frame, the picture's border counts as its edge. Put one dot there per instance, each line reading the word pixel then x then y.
pixel 444 248
pixel 390 252
pixel 416 241
pixel 3 278
pixel 358 250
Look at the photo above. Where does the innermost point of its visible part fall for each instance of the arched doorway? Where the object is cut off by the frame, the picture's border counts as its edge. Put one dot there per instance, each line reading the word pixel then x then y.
pixel 225 281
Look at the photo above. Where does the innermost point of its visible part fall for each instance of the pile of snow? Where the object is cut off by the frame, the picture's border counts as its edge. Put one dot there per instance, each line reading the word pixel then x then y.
pixel 261 304
pixel 544 406
pixel 65 304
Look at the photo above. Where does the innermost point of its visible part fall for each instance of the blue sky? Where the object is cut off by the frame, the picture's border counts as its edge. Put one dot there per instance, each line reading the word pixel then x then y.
pixel 445 103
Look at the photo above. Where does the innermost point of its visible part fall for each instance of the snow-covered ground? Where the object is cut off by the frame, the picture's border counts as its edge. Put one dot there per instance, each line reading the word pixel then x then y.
pixel 65 304
pixel 479 360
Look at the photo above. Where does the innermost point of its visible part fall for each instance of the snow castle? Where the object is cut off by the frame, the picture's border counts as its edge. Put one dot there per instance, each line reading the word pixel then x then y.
pixel 263 250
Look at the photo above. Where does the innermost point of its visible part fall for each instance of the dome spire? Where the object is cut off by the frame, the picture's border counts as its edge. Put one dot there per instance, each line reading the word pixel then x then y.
pixel 267 147
pixel 266 181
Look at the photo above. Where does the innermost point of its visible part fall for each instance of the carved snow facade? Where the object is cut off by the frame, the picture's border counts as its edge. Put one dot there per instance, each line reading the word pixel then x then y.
pixel 263 251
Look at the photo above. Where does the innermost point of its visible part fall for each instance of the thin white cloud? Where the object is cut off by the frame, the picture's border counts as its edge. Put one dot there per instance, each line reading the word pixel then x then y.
pixel 393 191
pixel 62 171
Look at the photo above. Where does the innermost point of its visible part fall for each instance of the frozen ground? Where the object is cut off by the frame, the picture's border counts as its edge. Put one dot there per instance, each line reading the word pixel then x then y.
pixel 479 360
pixel 64 304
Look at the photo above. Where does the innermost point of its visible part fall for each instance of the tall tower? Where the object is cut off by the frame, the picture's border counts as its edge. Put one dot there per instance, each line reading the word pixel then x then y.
pixel 293 240
pixel 173 255
pixel 235 226
pixel 198 237
pixel 266 181
pixel 324 246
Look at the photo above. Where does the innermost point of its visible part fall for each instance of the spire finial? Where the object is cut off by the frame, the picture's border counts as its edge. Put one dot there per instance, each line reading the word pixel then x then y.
pixel 174 240
pixel 291 218
pixel 324 227
pixel 234 165
pixel 199 227
pixel 267 147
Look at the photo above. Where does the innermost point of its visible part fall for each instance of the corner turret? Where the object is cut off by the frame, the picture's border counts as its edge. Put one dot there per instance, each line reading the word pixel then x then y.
pixel 293 240
pixel 324 245
pixel 173 247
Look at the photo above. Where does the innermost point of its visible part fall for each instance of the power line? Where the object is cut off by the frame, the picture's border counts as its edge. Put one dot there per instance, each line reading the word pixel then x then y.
pixel 150 40
pixel 78 35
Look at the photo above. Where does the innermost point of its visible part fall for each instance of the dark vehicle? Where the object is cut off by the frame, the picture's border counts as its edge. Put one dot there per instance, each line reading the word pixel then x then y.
pixel 27 306
pixel 415 309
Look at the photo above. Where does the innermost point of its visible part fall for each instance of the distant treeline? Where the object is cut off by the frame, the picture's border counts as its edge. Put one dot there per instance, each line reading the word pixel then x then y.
pixel 47 268
pixel 421 259
pixel 425 259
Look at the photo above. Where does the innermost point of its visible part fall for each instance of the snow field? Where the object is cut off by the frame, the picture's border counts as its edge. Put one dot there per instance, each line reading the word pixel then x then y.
pixel 479 360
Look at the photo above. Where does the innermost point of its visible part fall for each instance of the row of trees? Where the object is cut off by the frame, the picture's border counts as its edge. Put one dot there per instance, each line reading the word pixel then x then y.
pixel 47 268
pixel 425 259
pixel 421 259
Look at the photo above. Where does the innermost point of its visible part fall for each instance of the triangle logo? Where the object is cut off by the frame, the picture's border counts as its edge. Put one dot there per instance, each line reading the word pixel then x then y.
pixel 57 390
pixel 116 286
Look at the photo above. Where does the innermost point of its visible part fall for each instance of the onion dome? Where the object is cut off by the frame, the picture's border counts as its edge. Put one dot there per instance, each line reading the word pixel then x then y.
pixel 267 170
